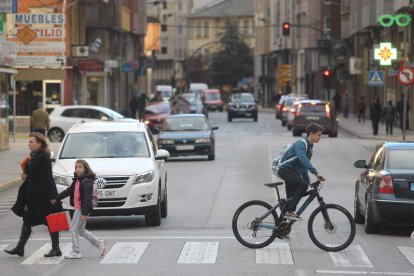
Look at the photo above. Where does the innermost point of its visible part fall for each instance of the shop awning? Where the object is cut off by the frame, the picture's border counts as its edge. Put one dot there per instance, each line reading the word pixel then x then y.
pixel 8 70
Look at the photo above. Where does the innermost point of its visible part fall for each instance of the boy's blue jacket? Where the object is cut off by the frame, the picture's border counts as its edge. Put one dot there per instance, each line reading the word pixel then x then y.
pixel 301 164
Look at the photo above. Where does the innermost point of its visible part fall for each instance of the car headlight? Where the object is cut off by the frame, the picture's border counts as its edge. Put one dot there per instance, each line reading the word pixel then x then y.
pixel 165 141
pixel 61 180
pixel 203 140
pixel 144 178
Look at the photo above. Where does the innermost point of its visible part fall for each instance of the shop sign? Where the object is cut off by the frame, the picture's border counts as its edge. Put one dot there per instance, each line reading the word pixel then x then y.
pixel 8 6
pixel 127 68
pixel 46 32
pixel 90 65
pixel 7 53
pixel 41 47
pixel 385 53
pixel 40 61
pixel 39 18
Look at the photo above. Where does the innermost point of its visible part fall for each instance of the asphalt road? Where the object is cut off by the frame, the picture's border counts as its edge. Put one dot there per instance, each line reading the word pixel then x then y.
pixel 196 237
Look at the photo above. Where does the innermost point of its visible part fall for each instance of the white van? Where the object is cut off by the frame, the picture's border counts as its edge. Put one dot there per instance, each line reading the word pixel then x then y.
pixel 198 88
pixel 166 91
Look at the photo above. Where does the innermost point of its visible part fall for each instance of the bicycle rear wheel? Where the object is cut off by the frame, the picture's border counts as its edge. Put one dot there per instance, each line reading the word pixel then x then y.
pixel 331 228
pixel 248 225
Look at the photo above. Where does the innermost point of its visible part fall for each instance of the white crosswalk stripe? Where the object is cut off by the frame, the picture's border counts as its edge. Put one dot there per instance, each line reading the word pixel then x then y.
pixel 408 252
pixel 125 253
pixel 199 253
pixel 353 256
pixel 275 253
pixel 38 258
pixel 3 246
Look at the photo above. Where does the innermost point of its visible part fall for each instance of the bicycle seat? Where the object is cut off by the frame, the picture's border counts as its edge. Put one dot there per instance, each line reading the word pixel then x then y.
pixel 274 185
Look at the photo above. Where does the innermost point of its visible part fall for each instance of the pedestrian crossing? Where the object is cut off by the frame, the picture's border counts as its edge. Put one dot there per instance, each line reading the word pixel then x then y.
pixel 207 252
pixel 6 204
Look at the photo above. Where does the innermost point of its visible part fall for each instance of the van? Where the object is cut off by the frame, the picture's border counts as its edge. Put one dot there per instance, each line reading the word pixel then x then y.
pixel 166 91
pixel 213 99
pixel 198 88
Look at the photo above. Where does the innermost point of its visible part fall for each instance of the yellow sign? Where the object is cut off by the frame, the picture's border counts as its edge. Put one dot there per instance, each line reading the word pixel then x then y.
pixel 26 35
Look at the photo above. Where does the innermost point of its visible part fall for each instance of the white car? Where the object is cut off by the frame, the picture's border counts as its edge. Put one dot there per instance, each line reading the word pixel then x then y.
pixel 62 118
pixel 130 169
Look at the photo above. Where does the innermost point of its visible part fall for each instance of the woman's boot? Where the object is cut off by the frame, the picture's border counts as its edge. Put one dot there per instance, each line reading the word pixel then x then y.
pixel 24 236
pixel 55 251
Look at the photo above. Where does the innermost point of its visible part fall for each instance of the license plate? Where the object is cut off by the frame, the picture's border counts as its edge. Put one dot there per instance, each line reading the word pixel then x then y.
pixel 312 118
pixel 108 193
pixel 186 147
pixel 248 114
pixel 412 187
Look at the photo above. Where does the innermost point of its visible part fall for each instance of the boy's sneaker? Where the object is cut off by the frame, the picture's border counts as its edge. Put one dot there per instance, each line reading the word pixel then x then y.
pixel 102 247
pixel 73 255
pixel 292 216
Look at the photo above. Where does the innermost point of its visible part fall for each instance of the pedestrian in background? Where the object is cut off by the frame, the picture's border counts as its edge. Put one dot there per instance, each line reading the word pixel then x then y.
pixel 347 102
pixel 80 192
pixel 133 106
pixel 337 102
pixel 388 116
pixel 361 109
pixel 400 110
pixel 142 102
pixel 37 195
pixel 40 120
pixel 375 115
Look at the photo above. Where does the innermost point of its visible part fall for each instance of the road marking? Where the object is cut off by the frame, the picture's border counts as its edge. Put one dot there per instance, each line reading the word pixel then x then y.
pixel 353 256
pixel 275 253
pixel 125 253
pixel 38 258
pixel 408 252
pixel 138 238
pixel 199 253
pixel 362 272
pixel 3 246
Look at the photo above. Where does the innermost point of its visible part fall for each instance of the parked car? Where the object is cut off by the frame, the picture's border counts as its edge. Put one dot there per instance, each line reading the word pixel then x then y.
pixel 242 105
pixel 188 135
pixel 155 114
pixel 384 191
pixel 315 111
pixel 62 118
pixel 213 99
pixel 287 105
pixel 130 168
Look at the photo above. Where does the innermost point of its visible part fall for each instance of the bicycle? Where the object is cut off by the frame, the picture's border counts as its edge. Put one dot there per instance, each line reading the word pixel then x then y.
pixel 331 227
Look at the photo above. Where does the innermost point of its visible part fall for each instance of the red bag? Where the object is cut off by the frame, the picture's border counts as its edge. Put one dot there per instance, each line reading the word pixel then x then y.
pixel 58 222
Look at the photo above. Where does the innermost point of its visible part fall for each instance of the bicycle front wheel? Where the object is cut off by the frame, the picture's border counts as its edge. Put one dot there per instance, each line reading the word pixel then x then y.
pixel 251 227
pixel 331 228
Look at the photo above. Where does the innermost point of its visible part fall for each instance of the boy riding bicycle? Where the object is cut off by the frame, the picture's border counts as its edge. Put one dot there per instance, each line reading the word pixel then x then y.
pixel 294 168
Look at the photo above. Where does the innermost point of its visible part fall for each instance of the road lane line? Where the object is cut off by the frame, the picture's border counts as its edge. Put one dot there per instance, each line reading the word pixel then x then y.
pixel 353 256
pixel 199 253
pixel 38 258
pixel 3 246
pixel 363 272
pixel 408 252
pixel 275 253
pixel 125 253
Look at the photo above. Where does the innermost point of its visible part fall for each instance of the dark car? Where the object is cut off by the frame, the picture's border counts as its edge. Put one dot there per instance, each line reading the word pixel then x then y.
pixel 315 111
pixel 242 105
pixel 155 114
pixel 384 192
pixel 187 135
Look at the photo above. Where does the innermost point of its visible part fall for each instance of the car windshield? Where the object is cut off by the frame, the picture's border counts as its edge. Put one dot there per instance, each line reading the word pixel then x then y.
pixel 166 93
pixel 105 145
pixel 319 108
pixel 112 114
pixel 185 124
pixel 401 159
pixel 157 108
pixel 212 96
pixel 242 98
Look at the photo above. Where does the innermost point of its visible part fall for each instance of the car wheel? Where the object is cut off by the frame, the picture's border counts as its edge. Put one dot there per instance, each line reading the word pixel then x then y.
pixel 370 226
pixel 55 134
pixel 164 204
pixel 211 157
pixel 358 217
pixel 229 118
pixel 333 134
pixel 153 218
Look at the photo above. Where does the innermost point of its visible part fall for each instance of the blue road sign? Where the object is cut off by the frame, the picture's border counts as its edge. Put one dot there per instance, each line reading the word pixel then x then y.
pixel 376 78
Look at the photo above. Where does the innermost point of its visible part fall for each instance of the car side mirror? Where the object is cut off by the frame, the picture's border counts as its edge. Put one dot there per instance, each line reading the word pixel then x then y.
pixel 361 164
pixel 162 155
pixel 214 128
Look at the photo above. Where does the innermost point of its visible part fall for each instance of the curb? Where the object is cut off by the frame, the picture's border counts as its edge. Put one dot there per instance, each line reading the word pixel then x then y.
pixel 10 183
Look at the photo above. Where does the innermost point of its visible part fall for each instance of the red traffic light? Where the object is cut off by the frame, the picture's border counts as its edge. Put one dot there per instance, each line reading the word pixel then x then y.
pixel 326 72
pixel 286 25
pixel 286 28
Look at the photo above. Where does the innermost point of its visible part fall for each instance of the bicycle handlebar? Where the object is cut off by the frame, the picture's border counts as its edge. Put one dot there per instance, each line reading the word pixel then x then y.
pixel 315 184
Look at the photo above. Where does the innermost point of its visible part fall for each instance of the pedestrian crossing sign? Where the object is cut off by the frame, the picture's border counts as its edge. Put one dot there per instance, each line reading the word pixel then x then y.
pixel 376 78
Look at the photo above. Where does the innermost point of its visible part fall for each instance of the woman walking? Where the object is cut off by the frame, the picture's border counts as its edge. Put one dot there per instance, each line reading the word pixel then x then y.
pixel 36 194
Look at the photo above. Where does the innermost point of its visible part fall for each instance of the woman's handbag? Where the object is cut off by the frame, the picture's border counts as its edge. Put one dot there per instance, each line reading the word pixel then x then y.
pixel 58 221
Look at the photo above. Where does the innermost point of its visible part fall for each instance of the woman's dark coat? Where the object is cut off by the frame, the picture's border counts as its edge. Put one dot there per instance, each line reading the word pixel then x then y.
pixel 37 191
pixel 85 190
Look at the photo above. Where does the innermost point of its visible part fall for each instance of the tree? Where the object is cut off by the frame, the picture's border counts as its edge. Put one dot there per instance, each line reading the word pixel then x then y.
pixel 235 61
pixel 195 70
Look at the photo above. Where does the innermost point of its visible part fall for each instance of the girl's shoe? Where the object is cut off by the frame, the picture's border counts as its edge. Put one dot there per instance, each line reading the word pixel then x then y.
pixel 73 255
pixel 102 247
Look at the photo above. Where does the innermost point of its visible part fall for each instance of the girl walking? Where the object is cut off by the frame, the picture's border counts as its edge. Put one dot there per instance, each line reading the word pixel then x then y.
pixel 80 192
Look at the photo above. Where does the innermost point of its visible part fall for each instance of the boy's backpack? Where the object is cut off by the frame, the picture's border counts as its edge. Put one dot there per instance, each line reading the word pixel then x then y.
pixel 277 161
pixel 95 192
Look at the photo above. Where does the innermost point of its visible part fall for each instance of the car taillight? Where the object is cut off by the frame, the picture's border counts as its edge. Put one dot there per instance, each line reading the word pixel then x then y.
pixel 298 111
pixel 278 107
pixel 328 111
pixel 386 186
pixel 292 110
pixel 284 108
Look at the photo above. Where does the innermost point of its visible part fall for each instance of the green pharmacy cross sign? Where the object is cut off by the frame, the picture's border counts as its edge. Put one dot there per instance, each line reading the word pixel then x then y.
pixel 385 53
pixel 387 20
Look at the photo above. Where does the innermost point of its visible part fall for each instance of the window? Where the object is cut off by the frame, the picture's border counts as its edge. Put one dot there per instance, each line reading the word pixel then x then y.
pixel 73 113
pixel 153 144
pixel 164 50
pixel 327 22
pixel 246 29
pixel 163 28
pixel 94 114
pixel 180 5
pixel 401 159
pixel 199 29
pixel 206 29
pixel 376 160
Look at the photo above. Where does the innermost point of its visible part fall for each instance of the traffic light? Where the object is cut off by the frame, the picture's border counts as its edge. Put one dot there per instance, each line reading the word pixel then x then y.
pixel 326 72
pixel 286 28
